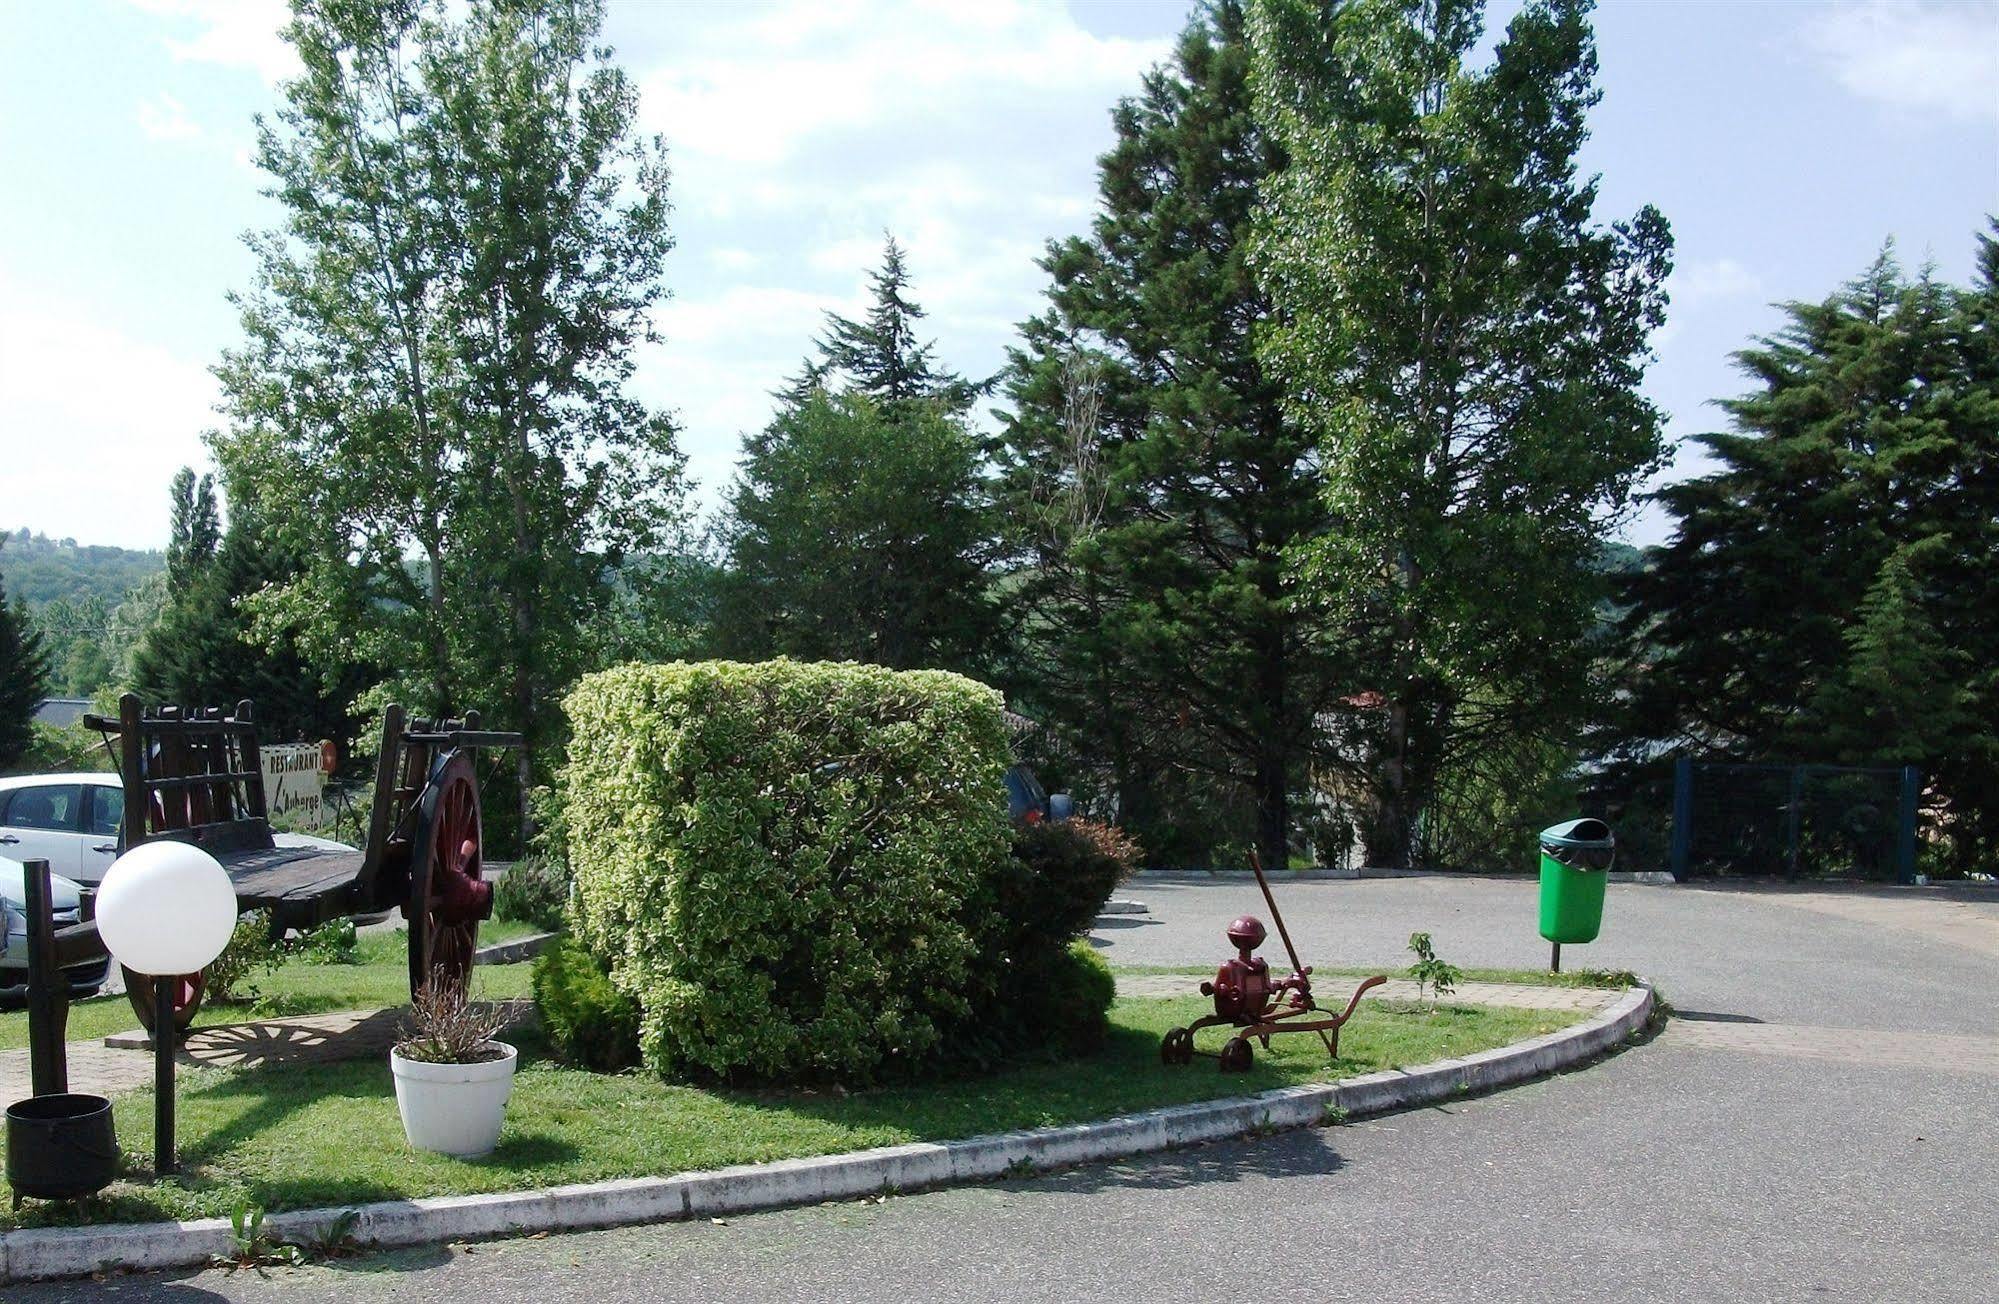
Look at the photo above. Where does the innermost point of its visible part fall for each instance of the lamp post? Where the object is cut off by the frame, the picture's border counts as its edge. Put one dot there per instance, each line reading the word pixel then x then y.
pixel 166 908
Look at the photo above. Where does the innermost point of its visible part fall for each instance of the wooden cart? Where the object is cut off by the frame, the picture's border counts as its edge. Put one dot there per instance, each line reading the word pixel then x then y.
pixel 193 775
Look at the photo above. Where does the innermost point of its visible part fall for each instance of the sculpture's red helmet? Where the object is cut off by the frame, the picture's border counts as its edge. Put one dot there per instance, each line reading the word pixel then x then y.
pixel 1247 931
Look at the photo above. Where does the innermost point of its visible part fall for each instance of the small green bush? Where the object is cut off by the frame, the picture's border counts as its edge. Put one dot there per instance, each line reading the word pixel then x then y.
pixel 588 1020
pixel 788 862
pixel 1059 1000
pixel 333 942
pixel 1051 990
pixel 226 980
pixel 1064 872
pixel 535 890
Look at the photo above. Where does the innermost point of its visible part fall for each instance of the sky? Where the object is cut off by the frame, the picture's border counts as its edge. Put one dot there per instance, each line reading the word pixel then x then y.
pixel 1784 142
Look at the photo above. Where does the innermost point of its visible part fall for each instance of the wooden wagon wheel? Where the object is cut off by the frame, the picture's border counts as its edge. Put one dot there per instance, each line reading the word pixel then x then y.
pixel 448 896
pixel 188 991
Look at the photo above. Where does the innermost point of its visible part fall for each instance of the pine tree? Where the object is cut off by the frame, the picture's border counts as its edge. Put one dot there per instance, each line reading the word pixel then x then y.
pixel 882 356
pixel 1465 345
pixel 1167 641
pixel 1828 592
pixel 207 647
pixel 860 533
pixel 24 677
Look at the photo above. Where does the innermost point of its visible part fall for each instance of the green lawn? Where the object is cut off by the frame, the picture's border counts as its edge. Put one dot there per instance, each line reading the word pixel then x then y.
pixel 316 1135
pixel 1602 978
pixel 380 979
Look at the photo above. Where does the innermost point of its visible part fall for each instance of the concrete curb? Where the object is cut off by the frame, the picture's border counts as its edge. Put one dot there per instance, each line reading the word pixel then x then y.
pixel 49 1252
pixel 521 948
pixel 1652 877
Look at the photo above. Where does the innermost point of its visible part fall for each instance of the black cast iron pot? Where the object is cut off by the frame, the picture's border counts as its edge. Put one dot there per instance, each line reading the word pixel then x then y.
pixel 60 1147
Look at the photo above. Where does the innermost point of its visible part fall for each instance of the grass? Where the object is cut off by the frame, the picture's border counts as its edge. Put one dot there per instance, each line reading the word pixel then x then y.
pixel 1616 979
pixel 380 979
pixel 329 1134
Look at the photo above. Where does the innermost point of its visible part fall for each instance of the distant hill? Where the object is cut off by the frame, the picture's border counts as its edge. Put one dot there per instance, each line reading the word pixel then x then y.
pixel 1620 559
pixel 39 569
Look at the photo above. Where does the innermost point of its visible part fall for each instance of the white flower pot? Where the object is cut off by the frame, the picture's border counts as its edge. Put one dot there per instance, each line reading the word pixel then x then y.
pixel 454 1109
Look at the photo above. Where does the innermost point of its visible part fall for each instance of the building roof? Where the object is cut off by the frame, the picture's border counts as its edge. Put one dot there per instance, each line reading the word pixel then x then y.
pixel 61 712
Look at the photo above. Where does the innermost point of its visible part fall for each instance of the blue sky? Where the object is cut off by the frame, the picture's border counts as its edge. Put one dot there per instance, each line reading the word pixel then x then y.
pixel 1784 141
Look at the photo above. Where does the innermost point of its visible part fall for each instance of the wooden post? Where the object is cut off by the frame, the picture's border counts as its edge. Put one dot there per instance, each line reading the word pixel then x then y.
pixel 48 994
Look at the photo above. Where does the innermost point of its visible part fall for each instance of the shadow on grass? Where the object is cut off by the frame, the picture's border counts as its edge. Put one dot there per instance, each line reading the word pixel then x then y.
pixel 1123 1076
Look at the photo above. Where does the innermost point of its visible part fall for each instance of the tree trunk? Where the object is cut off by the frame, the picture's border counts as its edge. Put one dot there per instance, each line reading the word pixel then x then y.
pixel 1270 717
pixel 1273 815
pixel 440 647
pixel 1387 835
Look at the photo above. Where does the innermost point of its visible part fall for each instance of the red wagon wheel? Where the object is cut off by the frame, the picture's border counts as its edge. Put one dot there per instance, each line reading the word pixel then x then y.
pixel 448 895
pixel 188 991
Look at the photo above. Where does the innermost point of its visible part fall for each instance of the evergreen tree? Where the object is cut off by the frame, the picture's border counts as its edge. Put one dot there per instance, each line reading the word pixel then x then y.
pixel 1465 346
pixel 1159 481
pixel 194 529
pixel 24 677
pixel 1828 592
pixel 207 647
pixel 859 532
pixel 881 356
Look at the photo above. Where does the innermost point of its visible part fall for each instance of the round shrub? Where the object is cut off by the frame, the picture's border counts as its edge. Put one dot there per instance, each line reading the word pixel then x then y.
pixel 1060 1000
pixel 535 890
pixel 786 860
pixel 1065 872
pixel 588 1020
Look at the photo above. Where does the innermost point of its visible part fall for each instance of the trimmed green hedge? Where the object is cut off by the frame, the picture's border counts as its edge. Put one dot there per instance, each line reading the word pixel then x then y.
pixel 788 865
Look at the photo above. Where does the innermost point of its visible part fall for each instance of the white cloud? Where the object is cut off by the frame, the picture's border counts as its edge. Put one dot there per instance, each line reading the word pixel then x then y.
pixel 799 132
pixel 95 420
pixel 1914 57
pixel 1706 280
pixel 230 34
pixel 166 118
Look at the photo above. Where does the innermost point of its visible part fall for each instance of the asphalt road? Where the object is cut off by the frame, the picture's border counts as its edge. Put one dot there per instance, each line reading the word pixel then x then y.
pixel 1824 1126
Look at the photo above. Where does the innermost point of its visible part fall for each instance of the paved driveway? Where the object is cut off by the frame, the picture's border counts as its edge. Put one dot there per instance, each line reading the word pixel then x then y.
pixel 1824 1126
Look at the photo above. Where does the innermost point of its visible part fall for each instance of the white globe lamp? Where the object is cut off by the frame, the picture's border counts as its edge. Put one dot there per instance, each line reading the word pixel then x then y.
pixel 166 908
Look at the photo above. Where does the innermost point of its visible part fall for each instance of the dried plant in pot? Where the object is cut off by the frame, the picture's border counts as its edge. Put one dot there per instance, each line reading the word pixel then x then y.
pixel 453 1076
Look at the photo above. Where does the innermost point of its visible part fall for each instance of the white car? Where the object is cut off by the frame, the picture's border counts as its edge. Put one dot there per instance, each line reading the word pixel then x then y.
pixel 66 901
pixel 72 821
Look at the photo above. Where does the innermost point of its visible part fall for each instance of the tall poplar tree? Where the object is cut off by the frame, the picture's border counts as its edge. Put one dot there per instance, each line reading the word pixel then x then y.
pixel 1160 511
pixel 1465 345
pixel 194 528
pixel 433 396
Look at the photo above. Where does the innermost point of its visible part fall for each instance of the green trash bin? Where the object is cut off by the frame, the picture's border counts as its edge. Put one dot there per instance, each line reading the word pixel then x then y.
pixel 1575 858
